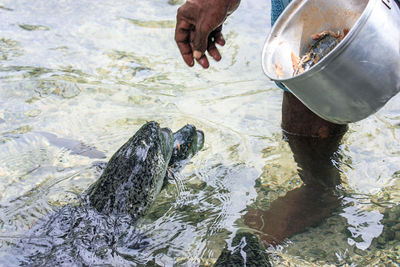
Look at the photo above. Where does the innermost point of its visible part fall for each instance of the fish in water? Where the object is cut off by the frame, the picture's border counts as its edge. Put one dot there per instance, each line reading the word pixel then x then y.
pixel 101 229
pixel 324 42
pixel 245 250
pixel 76 147
pixel 136 172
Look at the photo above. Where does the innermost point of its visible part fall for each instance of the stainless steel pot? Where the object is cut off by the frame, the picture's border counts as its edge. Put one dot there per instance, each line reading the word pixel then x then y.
pixel 358 76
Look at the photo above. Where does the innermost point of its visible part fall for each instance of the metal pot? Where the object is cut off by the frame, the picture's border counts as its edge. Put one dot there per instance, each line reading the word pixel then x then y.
pixel 358 76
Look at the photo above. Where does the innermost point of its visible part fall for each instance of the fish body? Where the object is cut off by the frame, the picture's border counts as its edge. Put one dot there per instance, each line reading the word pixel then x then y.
pixel 137 171
pixel 324 43
pixel 101 229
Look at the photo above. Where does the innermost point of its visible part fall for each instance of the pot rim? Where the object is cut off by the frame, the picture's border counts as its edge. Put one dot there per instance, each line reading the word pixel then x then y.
pixel 287 14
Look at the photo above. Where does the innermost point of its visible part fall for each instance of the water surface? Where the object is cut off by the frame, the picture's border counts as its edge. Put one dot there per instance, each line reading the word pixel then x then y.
pixel 78 78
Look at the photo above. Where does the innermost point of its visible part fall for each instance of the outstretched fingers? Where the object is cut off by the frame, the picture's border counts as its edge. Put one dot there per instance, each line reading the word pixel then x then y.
pixel 203 61
pixel 198 29
pixel 198 53
pixel 218 37
pixel 182 39
pixel 215 38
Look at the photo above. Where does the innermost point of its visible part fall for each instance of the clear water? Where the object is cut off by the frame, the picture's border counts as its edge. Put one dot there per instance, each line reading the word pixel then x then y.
pixel 78 78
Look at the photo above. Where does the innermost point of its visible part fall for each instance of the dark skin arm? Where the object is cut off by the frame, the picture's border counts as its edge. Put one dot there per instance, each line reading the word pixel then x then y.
pixel 198 29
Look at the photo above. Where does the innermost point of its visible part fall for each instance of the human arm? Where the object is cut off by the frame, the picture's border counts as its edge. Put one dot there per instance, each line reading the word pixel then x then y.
pixel 198 29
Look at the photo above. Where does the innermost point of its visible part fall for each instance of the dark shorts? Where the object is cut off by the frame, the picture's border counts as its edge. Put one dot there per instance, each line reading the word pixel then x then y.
pixel 277 7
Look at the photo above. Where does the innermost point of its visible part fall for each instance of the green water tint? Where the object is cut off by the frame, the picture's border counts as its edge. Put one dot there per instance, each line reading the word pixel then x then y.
pixel 34 27
pixel 76 92
pixel 154 23
pixel 9 49
pixel 5 8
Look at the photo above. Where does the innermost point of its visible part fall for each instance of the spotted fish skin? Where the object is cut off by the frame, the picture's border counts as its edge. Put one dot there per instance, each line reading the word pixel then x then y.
pixel 324 43
pixel 100 230
pixel 137 172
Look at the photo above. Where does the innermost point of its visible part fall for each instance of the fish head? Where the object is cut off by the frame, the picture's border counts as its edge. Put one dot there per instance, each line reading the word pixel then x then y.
pixel 187 142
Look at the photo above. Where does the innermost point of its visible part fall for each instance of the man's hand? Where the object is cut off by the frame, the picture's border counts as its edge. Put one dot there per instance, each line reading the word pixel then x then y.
pixel 198 28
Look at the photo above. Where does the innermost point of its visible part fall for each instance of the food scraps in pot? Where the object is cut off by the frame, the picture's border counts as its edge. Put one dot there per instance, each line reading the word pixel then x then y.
pixel 325 42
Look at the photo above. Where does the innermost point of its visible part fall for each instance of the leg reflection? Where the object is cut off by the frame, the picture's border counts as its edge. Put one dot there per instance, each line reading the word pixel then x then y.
pixel 308 204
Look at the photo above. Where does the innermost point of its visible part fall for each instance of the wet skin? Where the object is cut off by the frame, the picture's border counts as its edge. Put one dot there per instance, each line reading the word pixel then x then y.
pixel 308 204
pixel 314 142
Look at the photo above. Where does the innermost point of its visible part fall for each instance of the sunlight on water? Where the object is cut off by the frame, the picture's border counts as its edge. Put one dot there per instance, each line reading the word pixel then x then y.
pixel 77 79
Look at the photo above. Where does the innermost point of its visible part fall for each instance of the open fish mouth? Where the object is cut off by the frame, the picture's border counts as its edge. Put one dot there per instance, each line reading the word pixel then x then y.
pixel 187 142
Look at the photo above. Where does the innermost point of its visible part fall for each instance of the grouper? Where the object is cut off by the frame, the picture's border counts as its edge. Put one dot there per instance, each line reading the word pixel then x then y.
pixel 101 228
pixel 136 172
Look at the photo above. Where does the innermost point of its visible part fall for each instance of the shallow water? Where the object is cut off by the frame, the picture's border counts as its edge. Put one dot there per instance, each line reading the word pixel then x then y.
pixel 77 79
